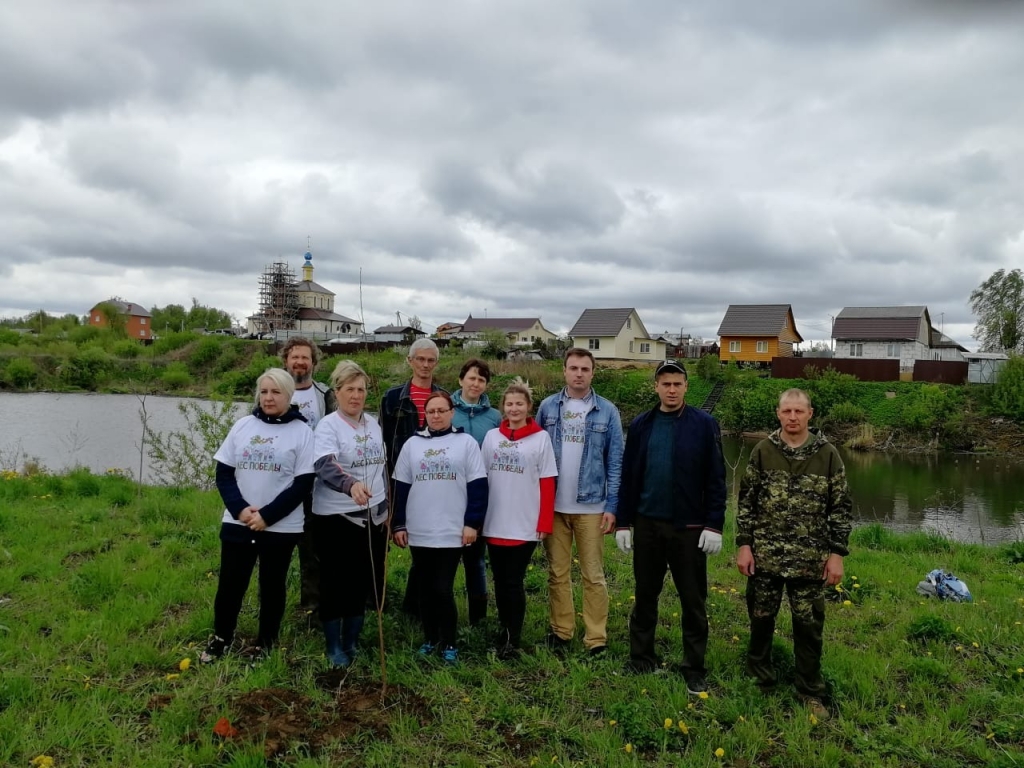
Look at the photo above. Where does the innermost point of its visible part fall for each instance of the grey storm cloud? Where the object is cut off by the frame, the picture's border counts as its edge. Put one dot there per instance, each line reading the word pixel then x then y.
pixel 519 158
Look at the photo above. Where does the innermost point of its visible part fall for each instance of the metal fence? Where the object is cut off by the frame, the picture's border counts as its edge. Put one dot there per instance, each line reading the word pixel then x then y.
pixel 865 370
pixel 940 371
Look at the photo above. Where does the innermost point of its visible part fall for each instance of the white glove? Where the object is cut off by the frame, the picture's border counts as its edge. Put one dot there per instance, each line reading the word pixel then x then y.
pixel 624 540
pixel 710 542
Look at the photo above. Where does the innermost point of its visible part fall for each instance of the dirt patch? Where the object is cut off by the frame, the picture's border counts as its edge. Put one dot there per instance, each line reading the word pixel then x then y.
pixel 285 720
pixel 74 559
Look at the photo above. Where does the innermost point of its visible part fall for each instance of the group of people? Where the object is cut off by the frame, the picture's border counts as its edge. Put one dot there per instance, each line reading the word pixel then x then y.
pixel 451 477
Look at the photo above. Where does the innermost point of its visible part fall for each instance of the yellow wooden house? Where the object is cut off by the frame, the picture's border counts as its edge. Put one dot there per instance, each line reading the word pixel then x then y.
pixel 755 333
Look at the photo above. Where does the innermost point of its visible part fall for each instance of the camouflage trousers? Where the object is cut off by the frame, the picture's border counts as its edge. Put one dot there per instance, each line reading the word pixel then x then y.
pixel 807 605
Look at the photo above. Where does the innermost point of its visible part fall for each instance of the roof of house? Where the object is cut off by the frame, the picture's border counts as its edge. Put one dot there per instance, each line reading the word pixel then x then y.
pixel 879 323
pixel 939 339
pixel 755 320
pixel 601 322
pixel 127 307
pixel 403 329
pixel 311 286
pixel 308 313
pixel 507 324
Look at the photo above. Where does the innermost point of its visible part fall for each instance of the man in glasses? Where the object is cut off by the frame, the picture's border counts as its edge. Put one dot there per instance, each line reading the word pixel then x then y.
pixel 401 414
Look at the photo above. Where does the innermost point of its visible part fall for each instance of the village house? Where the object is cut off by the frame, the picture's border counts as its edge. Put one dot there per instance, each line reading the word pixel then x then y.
pixel 885 333
pixel 755 333
pixel 138 321
pixel 616 334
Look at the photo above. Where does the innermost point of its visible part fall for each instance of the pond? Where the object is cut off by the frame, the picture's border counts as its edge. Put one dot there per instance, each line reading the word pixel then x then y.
pixel 969 498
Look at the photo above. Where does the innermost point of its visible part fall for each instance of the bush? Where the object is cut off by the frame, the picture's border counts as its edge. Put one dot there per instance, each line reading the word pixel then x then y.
pixel 86 368
pixel 709 368
pixel 206 350
pixel 176 376
pixel 126 348
pixel 846 413
pixel 21 372
pixel 9 338
pixel 83 334
pixel 168 342
pixel 1007 398
pixel 183 458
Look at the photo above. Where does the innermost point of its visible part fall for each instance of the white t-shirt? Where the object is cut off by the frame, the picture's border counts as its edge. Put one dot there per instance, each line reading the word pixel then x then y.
pixel 514 471
pixel 267 458
pixel 359 450
pixel 308 400
pixel 438 469
pixel 574 433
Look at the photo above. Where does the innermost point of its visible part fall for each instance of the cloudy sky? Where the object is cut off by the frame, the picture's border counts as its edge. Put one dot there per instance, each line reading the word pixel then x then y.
pixel 514 158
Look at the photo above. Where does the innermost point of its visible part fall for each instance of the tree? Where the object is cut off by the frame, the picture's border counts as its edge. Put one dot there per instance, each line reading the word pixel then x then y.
pixel 415 322
pixel 495 341
pixel 998 304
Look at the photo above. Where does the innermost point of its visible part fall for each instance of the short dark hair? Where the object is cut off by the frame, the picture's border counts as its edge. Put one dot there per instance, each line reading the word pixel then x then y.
pixel 300 341
pixel 670 366
pixel 481 367
pixel 578 352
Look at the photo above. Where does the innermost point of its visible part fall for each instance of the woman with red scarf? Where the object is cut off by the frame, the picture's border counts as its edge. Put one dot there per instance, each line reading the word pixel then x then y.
pixel 521 474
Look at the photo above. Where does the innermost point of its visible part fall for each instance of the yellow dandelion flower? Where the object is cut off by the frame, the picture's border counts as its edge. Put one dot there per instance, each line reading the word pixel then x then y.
pixel 628 749
pixel 42 761
pixel 184 664
pixel 839 587
pixel 643 691
pixel 683 728
pixel 702 695
pixel 668 723
pixel 735 638
pixel 847 602
pixel 976 645
pixel 690 706
pixel 742 719
pixel 854 578
pixel 465 699
pixel 719 752
pixel 732 590
pixel 903 706
pixel 959 647
pixel 813 719
pixel 1020 670
pixel 856 586
pixel 613 722
pixel 990 735
pixel 633 598
pixel 172 676
pixel 529 567
pixel 675 615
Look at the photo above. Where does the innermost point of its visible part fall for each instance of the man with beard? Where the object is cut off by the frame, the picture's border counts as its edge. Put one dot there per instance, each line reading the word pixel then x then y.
pixel 315 400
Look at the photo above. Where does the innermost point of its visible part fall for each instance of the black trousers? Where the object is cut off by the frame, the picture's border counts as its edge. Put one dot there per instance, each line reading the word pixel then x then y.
pixel 435 569
pixel 237 560
pixel 508 564
pixel 351 565
pixel 658 546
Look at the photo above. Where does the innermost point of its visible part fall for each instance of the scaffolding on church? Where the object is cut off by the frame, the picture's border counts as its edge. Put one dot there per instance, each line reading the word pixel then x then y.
pixel 279 298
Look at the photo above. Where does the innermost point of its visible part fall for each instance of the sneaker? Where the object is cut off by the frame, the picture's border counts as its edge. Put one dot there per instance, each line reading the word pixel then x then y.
pixel 597 651
pixel 426 649
pixel 450 656
pixel 816 707
pixel 696 685
pixel 214 650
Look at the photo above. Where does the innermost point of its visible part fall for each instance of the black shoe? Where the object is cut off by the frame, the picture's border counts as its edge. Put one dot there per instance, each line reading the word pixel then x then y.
pixel 696 684
pixel 597 651
pixel 635 667
pixel 214 650
pixel 556 643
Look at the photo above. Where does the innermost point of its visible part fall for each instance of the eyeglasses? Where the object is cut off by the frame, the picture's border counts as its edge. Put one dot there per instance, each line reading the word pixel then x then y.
pixel 425 360
pixel 436 412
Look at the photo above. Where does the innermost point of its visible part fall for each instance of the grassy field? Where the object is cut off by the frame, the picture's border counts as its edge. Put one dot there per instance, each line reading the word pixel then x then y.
pixel 105 593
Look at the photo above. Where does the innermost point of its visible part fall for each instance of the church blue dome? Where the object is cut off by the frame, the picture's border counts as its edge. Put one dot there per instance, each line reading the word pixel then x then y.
pixel 308 257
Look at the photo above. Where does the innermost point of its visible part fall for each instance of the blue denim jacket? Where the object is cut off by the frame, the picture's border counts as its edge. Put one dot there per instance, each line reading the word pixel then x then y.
pixel 601 465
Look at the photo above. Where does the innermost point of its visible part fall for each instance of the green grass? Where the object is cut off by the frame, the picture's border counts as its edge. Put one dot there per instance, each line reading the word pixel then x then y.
pixel 104 593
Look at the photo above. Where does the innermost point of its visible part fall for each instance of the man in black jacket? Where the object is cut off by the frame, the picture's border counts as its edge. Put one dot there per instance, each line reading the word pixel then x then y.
pixel 673 494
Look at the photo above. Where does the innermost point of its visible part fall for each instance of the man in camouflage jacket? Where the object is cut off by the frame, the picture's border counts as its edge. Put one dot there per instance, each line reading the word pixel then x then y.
pixel 792 531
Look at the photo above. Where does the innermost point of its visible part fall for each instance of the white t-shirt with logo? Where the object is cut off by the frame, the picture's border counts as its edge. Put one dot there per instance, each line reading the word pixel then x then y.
pixel 514 470
pixel 359 450
pixel 574 433
pixel 267 458
pixel 308 400
pixel 438 469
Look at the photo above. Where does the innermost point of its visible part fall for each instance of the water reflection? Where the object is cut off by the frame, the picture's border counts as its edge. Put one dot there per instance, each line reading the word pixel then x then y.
pixel 968 498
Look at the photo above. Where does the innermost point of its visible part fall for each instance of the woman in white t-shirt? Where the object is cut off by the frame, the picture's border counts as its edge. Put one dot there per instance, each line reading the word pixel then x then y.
pixel 264 471
pixel 349 513
pixel 521 474
pixel 440 502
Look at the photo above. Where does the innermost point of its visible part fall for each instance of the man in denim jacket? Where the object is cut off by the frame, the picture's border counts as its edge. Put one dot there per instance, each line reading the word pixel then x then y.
pixel 586 433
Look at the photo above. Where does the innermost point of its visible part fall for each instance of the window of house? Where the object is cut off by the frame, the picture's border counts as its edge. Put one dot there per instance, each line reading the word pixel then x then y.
pixel 142 333
pixel 856 350
pixel 631 346
pixel 892 350
pixel 645 348
pixel 142 321
pixel 735 346
pixel 762 346
pixel 629 323
pixel 593 343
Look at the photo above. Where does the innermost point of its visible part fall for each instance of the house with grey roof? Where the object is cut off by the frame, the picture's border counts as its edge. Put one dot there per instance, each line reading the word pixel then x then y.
pixel 902 333
pixel 616 334
pixel 756 333
pixel 521 331
pixel 137 321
